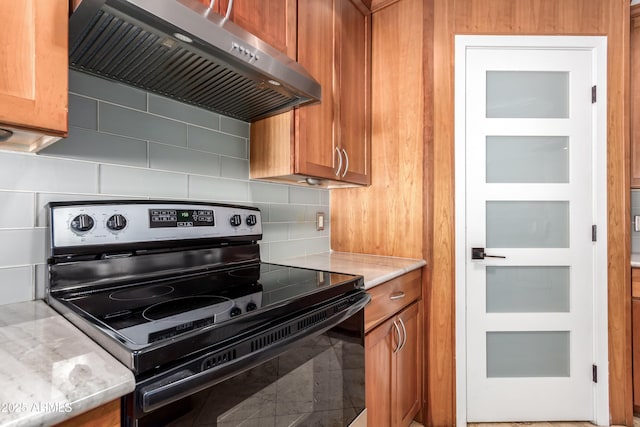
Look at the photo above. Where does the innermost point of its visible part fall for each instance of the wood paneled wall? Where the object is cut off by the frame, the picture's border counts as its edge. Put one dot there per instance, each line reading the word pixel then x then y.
pixel 409 208
pixel 386 218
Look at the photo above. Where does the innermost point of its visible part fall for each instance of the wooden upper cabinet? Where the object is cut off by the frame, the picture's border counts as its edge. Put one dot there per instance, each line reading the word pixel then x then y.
pixel 315 142
pixel 331 140
pixel 273 21
pixel 635 96
pixel 354 75
pixel 33 72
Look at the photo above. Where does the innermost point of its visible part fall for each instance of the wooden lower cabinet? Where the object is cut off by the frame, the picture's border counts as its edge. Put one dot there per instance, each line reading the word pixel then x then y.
pixel 107 415
pixel 393 369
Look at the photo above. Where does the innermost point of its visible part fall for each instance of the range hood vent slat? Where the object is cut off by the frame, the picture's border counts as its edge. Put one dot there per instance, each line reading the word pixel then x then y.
pixel 134 42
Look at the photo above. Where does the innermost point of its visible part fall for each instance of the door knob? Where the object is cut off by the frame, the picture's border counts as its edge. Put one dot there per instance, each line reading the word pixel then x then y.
pixel 478 253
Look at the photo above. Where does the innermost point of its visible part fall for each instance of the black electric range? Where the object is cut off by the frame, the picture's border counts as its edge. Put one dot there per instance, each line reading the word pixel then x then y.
pixel 177 291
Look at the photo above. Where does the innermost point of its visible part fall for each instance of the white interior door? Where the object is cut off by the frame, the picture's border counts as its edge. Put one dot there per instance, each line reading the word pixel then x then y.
pixel 529 154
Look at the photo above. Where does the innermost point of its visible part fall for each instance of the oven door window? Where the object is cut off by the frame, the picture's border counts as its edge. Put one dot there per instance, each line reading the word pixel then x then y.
pixel 319 382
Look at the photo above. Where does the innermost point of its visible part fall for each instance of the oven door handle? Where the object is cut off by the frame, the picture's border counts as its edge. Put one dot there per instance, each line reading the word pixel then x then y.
pixel 185 382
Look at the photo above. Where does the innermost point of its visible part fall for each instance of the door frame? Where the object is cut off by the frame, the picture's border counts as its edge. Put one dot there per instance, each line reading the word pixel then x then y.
pixel 598 46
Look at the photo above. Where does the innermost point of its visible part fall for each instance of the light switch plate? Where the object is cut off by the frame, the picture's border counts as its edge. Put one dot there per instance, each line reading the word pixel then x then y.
pixel 319 221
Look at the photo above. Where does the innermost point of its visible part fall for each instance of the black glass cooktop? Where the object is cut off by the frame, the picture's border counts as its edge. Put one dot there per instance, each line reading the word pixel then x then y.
pixel 148 312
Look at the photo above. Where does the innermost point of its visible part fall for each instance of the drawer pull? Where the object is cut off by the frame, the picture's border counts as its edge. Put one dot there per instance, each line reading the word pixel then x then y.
pixel 396 295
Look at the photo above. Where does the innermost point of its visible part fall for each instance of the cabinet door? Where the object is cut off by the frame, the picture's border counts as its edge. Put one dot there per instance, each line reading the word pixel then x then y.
pixel 273 21
pixel 379 345
pixel 314 142
pixel 353 66
pixel 408 387
pixel 33 60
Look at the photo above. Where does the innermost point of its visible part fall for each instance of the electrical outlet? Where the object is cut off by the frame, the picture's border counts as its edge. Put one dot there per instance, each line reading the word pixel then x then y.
pixel 319 221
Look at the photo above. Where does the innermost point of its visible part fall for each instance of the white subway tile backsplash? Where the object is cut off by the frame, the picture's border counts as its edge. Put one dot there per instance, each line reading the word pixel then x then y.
pixel 16 284
pixel 234 168
pixel 40 281
pixel 325 197
pixel 287 249
pixel 287 213
pixel 120 180
pixel 22 246
pixel 217 142
pixel 137 124
pixel 305 230
pixel 264 252
pixel 304 196
pixel 317 246
pixel 234 127
pixel 310 213
pixel 229 190
pixel 16 209
pixel 29 172
pixel 125 143
pixel 265 192
pixel 84 144
pixel 95 87
pixel 179 159
pixel 183 112
pixel 83 112
pixel 274 232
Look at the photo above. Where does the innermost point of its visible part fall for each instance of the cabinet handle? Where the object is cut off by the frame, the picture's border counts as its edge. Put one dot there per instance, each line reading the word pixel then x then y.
pixel 340 161
pixel 346 167
pixel 226 15
pixel 396 295
pixel 404 334
pixel 210 8
pixel 397 349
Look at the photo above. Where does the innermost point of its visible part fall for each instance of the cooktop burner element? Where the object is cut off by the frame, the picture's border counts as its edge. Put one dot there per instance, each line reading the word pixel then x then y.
pixel 141 293
pixel 169 309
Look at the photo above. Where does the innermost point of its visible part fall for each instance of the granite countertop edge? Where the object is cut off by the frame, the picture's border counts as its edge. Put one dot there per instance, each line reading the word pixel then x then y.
pixel 51 371
pixel 635 259
pixel 376 269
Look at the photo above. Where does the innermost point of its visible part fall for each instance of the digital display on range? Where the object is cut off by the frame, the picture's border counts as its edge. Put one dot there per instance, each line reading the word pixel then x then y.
pixel 171 218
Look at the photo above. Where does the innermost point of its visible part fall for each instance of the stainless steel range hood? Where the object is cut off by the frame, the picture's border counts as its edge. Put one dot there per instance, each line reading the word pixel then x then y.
pixel 178 49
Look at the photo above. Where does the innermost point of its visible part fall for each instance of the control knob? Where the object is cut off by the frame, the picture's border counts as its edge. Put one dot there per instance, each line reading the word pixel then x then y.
pixel 116 222
pixel 251 220
pixel 82 223
pixel 235 220
pixel 235 311
pixel 251 306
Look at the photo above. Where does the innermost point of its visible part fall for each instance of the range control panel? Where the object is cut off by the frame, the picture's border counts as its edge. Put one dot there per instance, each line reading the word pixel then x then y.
pixel 99 223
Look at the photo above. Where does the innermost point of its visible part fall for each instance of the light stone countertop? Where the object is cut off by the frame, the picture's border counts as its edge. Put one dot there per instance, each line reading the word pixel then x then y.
pixel 376 269
pixel 635 259
pixel 49 370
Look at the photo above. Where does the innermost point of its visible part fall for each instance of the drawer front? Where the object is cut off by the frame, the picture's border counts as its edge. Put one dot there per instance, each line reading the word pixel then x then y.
pixel 392 296
pixel 635 282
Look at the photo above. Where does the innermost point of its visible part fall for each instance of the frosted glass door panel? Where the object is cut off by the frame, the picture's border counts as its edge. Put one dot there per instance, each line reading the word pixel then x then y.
pixel 527 224
pixel 527 94
pixel 528 354
pixel 527 289
pixel 527 159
